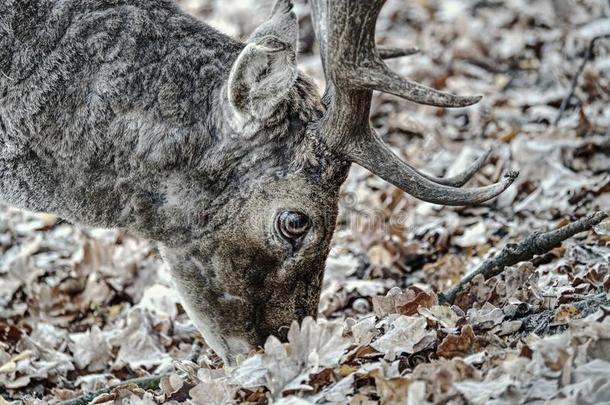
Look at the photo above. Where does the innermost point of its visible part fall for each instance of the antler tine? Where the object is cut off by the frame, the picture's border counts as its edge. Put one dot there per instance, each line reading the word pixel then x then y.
pixel 346 32
pixel 390 52
pixel 354 68
pixel 382 78
pixel 374 154
pixel 461 178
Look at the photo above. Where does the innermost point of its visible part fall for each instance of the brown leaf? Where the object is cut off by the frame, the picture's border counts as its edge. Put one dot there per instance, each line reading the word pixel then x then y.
pixel 390 390
pixel 458 345
pixel 404 303
pixel 443 314
pixel 321 379
pixel 9 334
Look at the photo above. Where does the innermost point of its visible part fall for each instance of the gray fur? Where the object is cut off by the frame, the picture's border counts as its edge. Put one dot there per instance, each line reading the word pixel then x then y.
pixel 117 114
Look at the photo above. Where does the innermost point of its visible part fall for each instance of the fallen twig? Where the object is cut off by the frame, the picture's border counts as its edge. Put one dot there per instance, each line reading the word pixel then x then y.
pixel 536 243
pixel 588 56
pixel 540 322
pixel 150 382
pixel 146 383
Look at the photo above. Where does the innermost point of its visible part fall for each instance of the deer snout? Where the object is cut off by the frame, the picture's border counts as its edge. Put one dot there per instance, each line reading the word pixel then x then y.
pixel 277 316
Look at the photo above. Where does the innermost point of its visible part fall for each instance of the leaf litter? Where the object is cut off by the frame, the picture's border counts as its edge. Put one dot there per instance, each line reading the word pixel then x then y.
pixel 86 309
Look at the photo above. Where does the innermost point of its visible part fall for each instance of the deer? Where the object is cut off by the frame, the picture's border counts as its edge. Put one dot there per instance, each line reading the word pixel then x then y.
pixel 137 115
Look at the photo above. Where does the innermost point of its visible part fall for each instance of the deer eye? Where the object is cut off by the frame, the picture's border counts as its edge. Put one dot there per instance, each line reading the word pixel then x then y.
pixel 292 224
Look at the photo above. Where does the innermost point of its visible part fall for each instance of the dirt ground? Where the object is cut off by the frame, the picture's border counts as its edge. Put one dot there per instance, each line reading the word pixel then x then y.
pixel 83 309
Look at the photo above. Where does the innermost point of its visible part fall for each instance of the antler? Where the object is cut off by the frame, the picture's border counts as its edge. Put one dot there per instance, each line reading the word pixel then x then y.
pixel 354 67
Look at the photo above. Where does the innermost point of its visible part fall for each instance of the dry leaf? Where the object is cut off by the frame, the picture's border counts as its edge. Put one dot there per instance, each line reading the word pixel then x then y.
pixel 461 345
pixel 406 334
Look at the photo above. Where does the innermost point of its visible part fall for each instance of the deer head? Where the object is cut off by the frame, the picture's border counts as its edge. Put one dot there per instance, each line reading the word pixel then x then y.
pixel 261 264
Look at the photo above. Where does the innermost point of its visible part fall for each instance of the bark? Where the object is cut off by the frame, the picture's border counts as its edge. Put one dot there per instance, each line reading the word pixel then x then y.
pixel 536 243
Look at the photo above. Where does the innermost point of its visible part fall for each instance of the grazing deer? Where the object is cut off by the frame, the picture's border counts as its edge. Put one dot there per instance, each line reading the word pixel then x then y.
pixel 134 114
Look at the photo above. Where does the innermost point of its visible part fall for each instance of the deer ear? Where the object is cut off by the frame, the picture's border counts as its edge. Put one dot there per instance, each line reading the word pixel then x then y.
pixel 266 69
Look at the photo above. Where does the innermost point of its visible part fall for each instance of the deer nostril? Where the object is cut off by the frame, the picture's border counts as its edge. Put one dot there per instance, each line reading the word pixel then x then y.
pixel 300 312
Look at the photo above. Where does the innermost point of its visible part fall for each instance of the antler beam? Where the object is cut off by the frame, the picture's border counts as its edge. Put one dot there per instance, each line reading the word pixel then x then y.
pixel 354 68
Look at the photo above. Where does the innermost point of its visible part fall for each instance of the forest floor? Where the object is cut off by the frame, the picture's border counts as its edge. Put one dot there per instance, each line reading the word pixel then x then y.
pixel 85 309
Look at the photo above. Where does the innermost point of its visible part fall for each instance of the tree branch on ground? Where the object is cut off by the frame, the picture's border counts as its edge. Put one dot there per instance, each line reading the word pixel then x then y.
pixel 541 322
pixel 150 382
pixel 536 243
